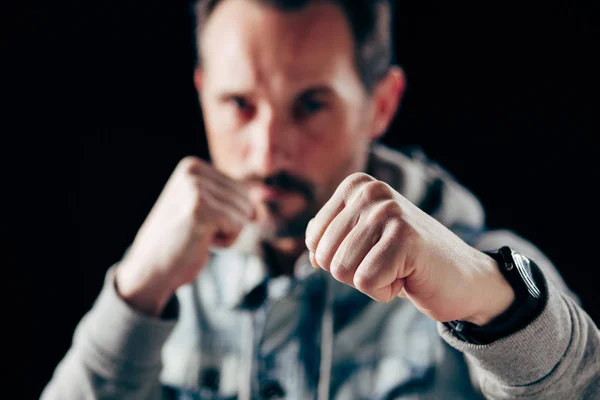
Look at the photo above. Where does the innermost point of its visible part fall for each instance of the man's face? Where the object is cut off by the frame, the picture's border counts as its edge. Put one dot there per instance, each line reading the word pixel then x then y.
pixel 284 108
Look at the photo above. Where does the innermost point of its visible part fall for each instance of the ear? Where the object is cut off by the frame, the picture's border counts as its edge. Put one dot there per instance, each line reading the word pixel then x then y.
pixel 386 99
pixel 198 75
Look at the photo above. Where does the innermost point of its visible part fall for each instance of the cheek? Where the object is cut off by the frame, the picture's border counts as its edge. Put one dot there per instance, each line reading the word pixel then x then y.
pixel 336 153
pixel 226 150
pixel 335 141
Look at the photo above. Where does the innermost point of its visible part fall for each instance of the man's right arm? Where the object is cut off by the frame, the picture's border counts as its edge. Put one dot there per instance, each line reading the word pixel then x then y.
pixel 115 354
pixel 116 349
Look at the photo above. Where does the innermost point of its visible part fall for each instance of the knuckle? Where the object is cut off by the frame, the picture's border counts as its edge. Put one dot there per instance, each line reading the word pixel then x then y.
pixel 310 237
pixel 321 257
pixel 391 208
pixel 372 191
pixel 396 229
pixel 359 177
pixel 386 210
pixel 362 282
pixel 405 233
pixel 356 180
pixel 339 270
pixel 192 182
pixel 311 240
pixel 188 163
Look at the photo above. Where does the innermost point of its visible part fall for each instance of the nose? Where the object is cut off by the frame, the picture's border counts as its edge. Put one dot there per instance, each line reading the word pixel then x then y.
pixel 271 144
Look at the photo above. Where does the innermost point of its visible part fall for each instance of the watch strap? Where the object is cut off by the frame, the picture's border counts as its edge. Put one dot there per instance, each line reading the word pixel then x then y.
pixel 522 274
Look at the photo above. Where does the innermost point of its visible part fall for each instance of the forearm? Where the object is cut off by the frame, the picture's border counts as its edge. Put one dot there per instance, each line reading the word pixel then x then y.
pixel 116 353
pixel 553 356
pixel 556 356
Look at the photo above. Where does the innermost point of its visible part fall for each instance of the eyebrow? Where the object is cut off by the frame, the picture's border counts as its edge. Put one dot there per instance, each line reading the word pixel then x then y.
pixel 230 94
pixel 312 91
pixel 315 91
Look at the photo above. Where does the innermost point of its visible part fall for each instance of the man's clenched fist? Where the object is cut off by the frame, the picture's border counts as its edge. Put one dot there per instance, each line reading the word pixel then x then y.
pixel 198 208
pixel 375 240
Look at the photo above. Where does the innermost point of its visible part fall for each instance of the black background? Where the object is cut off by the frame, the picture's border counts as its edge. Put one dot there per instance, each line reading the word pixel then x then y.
pixel 105 107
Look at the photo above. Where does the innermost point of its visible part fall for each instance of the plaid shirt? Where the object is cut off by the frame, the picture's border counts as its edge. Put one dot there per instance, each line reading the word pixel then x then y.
pixel 243 334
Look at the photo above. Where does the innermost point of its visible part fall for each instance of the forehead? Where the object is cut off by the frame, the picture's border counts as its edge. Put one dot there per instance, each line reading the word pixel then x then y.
pixel 249 44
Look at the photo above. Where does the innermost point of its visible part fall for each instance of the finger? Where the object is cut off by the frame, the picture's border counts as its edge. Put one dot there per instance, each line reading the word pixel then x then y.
pixel 205 175
pixel 352 251
pixel 317 226
pixel 224 219
pixel 333 236
pixel 226 197
pixel 313 261
pixel 377 274
pixel 204 169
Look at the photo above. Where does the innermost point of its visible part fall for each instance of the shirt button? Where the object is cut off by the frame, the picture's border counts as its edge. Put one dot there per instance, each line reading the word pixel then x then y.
pixel 271 390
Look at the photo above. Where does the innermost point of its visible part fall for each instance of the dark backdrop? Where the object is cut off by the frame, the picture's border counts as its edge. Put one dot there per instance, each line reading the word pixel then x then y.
pixel 505 101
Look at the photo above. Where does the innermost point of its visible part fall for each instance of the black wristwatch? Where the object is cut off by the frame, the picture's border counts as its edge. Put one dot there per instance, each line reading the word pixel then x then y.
pixel 523 275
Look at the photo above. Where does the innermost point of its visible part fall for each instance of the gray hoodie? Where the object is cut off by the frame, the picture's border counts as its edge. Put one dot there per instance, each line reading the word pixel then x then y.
pixel 241 334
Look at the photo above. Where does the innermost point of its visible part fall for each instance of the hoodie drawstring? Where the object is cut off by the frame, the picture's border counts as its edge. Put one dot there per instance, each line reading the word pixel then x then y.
pixel 326 343
pixel 326 349
pixel 247 357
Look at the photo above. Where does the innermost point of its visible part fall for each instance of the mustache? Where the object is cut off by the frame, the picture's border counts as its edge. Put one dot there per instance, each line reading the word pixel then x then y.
pixel 284 181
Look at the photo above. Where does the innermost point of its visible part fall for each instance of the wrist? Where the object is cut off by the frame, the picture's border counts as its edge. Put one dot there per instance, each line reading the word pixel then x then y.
pixel 493 293
pixel 145 293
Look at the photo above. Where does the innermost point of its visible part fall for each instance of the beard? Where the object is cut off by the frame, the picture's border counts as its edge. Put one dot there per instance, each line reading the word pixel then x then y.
pixel 292 227
pixel 278 225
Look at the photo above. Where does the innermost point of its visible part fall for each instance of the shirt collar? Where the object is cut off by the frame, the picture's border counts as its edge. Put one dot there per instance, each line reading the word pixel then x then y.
pixel 250 271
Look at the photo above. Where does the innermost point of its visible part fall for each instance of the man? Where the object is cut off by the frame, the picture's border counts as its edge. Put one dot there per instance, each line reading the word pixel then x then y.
pixel 409 296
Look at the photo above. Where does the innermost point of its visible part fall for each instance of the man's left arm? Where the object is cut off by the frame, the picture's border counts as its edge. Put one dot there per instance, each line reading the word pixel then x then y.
pixel 370 237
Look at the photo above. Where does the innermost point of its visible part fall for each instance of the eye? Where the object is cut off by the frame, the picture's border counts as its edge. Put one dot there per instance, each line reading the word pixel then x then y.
pixel 307 107
pixel 242 105
pixel 240 102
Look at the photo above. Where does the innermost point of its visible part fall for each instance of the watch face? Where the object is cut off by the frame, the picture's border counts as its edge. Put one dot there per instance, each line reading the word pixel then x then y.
pixel 523 265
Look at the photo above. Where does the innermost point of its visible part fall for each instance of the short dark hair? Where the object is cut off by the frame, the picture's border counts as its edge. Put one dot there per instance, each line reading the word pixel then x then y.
pixel 370 22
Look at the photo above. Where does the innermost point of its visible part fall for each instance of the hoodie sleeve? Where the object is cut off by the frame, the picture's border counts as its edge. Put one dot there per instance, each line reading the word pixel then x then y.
pixel 557 355
pixel 115 353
